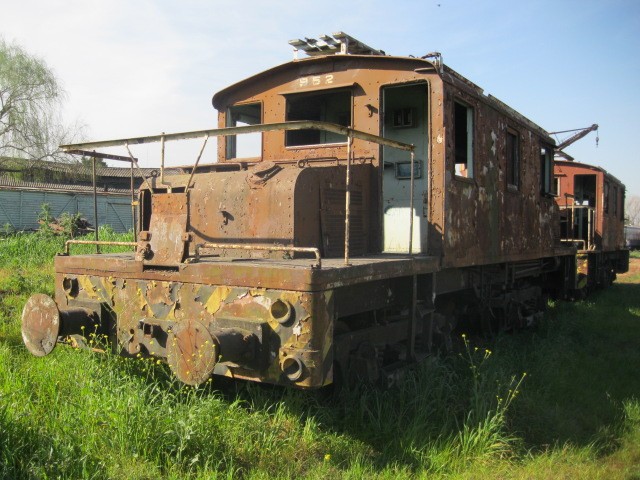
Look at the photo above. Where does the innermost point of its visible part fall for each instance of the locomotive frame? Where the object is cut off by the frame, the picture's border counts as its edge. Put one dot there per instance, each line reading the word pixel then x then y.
pixel 330 252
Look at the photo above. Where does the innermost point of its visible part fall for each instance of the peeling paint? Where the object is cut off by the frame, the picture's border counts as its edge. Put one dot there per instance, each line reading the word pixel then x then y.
pixel 216 299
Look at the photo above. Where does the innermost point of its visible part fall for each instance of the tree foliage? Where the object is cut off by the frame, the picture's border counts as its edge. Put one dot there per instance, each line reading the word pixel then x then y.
pixel 30 101
pixel 632 210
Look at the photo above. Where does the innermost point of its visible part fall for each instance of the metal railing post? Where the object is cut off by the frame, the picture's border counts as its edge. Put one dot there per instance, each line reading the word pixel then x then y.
pixel 347 199
pixel 195 165
pixel 133 207
pixel 162 181
pixel 590 222
pixel 95 203
pixel 411 202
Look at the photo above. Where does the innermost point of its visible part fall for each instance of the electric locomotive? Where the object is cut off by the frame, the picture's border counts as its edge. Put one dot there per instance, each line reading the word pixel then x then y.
pixel 362 207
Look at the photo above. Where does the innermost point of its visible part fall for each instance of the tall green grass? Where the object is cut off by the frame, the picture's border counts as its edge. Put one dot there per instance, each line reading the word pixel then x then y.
pixel 558 401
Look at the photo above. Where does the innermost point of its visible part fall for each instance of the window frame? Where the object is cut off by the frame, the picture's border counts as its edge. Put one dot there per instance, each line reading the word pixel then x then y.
pixel 513 164
pixel 547 178
pixel 311 93
pixel 230 141
pixel 469 164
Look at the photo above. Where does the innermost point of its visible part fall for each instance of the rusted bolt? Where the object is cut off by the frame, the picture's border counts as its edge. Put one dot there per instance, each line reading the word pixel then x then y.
pixel 281 311
pixel 144 251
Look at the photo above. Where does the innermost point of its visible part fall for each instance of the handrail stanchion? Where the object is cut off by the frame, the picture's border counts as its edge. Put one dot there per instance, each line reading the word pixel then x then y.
pixel 347 199
pixel 133 207
pixel 195 165
pixel 162 182
pixel 95 203
pixel 412 166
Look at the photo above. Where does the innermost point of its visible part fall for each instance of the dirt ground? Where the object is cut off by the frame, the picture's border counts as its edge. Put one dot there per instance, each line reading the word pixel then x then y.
pixel 634 268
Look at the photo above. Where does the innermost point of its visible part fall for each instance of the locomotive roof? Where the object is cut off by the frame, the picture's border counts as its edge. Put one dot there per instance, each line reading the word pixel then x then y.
pixel 445 72
pixel 586 166
pixel 219 96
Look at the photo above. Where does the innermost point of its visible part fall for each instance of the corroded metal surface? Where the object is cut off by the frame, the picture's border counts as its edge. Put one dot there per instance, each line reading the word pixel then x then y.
pixel 168 225
pixel 191 352
pixel 251 328
pixel 295 274
pixel 40 324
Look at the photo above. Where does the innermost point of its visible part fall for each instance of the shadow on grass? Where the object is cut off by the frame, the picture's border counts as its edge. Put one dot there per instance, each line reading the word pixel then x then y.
pixel 583 366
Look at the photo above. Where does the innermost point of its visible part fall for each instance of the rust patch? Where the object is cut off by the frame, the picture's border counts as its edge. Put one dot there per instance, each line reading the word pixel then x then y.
pixel 191 352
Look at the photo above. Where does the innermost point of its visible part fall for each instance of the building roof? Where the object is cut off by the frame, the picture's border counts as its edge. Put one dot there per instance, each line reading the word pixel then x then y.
pixel 80 169
pixel 8 183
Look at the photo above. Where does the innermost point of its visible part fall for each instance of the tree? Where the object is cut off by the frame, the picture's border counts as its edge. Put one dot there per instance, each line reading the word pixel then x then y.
pixel 632 210
pixel 88 162
pixel 30 100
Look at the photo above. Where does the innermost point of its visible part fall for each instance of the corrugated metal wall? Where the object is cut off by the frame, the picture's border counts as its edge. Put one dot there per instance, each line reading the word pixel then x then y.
pixel 20 208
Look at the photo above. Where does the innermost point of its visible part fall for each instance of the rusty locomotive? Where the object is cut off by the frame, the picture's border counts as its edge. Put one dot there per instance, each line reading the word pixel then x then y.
pixel 591 203
pixel 362 208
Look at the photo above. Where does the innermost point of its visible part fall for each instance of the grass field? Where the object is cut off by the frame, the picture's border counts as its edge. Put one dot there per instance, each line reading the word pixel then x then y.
pixel 561 401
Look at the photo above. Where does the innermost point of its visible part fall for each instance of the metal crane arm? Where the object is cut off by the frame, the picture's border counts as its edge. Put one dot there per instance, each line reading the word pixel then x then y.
pixel 574 138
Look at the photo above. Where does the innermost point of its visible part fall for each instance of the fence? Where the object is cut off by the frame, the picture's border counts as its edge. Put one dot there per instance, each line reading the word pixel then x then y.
pixel 19 207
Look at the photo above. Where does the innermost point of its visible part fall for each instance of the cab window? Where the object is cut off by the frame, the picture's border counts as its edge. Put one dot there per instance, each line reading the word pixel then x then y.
pixel 328 106
pixel 247 145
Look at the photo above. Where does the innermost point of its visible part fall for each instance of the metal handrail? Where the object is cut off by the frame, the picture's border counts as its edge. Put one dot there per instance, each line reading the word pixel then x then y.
pixel 591 224
pixel 260 127
pixel 575 240
pixel 250 246
pixel 350 133
pixel 68 243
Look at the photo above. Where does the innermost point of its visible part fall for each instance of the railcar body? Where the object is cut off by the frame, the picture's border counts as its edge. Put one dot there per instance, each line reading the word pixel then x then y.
pixel 426 204
pixel 632 236
pixel 591 203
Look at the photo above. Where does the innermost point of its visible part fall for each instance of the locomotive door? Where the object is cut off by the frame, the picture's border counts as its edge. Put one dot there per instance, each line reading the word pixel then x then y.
pixel 584 191
pixel 405 117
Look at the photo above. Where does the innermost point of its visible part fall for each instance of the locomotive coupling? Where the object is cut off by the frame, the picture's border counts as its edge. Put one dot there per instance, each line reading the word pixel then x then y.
pixel 193 350
pixel 43 323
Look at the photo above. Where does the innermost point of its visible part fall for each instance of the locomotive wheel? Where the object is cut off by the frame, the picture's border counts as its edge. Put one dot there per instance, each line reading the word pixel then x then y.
pixel 40 324
pixel 191 352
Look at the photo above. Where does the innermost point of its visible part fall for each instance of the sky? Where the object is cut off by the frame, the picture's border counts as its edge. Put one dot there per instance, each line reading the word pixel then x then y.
pixel 133 68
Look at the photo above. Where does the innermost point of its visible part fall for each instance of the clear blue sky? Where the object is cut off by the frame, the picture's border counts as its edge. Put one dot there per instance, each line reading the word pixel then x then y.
pixel 142 67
